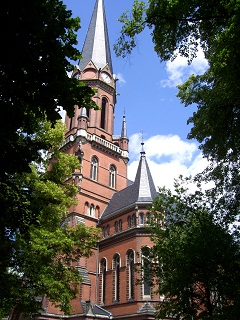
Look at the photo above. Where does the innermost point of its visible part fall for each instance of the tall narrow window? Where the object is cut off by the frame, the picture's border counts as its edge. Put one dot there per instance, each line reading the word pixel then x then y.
pixel 129 221
pixel 97 211
pixel 146 272
pixel 141 218
pixel 148 218
pixel 133 220
pixel 103 113
pixel 120 225
pixel 116 226
pixel 91 210
pixel 112 177
pixel 86 208
pixel 116 262
pixel 104 272
pixel 94 168
pixel 130 271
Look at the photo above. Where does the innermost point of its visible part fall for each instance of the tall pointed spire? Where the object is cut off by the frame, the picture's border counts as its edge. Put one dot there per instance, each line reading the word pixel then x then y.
pixel 96 46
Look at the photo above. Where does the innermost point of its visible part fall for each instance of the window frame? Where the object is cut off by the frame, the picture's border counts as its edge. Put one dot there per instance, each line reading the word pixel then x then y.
pixel 146 285
pixel 130 270
pixel 103 113
pixel 94 168
pixel 141 218
pixel 116 265
pixel 103 267
pixel 112 176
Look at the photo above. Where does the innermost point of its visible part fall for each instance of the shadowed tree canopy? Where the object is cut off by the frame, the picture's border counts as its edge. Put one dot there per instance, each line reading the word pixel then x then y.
pixel 194 261
pixel 38 44
pixel 38 39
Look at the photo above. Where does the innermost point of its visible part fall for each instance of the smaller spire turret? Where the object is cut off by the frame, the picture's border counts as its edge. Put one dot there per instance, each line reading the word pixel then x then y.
pixel 83 119
pixel 124 128
pixel 124 139
pixel 83 113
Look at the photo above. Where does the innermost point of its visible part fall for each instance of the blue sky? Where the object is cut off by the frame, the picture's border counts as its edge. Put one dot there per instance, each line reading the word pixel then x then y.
pixel 147 93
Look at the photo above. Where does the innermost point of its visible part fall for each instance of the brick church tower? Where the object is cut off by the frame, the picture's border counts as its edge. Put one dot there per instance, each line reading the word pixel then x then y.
pixel 106 199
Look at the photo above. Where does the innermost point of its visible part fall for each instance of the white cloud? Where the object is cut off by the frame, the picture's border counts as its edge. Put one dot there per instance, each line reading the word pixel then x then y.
pixel 168 157
pixel 179 70
pixel 170 145
pixel 121 79
pixel 160 146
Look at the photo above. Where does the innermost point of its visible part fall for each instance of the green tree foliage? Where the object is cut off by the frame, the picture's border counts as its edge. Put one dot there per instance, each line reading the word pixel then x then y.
pixel 40 255
pixel 182 27
pixel 195 258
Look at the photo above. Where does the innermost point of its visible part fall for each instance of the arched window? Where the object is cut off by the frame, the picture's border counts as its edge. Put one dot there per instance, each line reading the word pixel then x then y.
pixel 116 226
pixel 130 274
pixel 112 177
pixel 97 211
pixel 91 210
pixel 133 220
pixel 146 271
pixel 116 267
pixel 104 273
pixel 120 225
pixel 141 218
pixel 107 230
pixel 94 168
pixel 86 207
pixel 148 218
pixel 129 221
pixel 103 113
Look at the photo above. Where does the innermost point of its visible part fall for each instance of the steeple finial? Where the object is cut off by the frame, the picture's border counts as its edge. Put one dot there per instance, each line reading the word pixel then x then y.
pixel 142 144
pixel 96 46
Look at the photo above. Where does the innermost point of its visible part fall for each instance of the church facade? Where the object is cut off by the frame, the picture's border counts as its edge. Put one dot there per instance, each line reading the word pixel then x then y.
pixel 106 199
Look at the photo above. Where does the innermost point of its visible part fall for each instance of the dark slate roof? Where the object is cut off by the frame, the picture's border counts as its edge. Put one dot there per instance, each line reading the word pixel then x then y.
pixel 96 46
pixel 142 191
